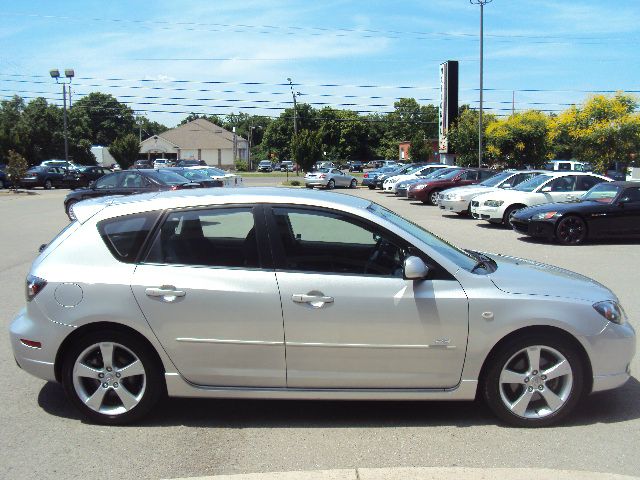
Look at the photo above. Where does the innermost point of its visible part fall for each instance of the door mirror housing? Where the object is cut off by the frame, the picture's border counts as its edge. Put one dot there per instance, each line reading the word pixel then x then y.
pixel 415 268
pixel 92 185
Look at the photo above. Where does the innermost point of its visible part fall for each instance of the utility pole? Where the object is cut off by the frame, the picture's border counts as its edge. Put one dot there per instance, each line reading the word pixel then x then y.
pixel 295 107
pixel 482 3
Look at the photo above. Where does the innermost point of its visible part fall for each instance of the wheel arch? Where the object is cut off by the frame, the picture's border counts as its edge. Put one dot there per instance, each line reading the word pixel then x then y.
pixel 97 327
pixel 538 330
pixel 511 206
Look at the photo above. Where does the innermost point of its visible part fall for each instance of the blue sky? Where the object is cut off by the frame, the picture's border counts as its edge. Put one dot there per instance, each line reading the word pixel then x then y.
pixel 368 50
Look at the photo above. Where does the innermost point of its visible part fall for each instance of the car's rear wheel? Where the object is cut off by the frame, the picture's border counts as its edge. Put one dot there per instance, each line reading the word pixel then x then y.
pixel 371 187
pixel 353 184
pixel 571 230
pixel 433 197
pixel 69 208
pixel 112 378
pixel 47 184
pixel 534 381
pixel 331 185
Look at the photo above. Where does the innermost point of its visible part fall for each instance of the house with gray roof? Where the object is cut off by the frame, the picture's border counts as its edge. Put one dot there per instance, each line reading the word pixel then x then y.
pixel 197 140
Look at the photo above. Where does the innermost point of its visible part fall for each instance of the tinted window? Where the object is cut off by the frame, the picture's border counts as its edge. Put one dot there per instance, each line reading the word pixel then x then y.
pixel 563 184
pixel 222 237
pixel 124 236
pixel 133 180
pixel 631 195
pixel 587 182
pixel 108 181
pixel 325 241
pixel 564 166
pixel 168 178
pixel 533 183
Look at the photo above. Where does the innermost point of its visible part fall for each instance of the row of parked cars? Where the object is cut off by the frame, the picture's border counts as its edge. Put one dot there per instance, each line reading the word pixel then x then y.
pixel 566 206
pixel 134 181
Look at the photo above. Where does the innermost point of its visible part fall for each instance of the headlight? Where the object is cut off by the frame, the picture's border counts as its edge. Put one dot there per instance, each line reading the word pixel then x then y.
pixel 545 216
pixel 612 311
pixel 493 203
pixel 420 186
pixel 453 197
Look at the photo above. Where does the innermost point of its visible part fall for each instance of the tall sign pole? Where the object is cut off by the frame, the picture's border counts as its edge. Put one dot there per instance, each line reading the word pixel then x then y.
pixel 448 111
pixel 482 3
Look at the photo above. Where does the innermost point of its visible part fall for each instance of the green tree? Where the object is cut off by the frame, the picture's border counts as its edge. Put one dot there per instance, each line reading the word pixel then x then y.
pixel 149 127
pixel 306 148
pixel 10 113
pixel 420 149
pixel 279 132
pixel 125 150
pixel 40 130
pixel 106 118
pixel 463 137
pixel 519 140
pixel 407 121
pixel 345 134
pixel 602 131
pixel 16 167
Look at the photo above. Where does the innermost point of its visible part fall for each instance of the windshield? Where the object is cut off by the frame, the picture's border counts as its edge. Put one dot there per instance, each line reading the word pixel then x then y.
pixel 603 193
pixel 496 179
pixel 533 183
pixel 461 258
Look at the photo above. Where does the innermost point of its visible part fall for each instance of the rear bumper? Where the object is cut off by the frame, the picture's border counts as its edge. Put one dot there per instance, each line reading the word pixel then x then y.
pixel 316 183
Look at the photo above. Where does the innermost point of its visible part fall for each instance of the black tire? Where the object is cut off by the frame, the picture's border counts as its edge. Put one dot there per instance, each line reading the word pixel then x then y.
pixel 309 186
pixel 331 185
pixel 70 204
pixel 353 184
pixel 153 388
pixel 433 197
pixel 1 184
pixel 371 187
pixel 506 218
pixel 496 395
pixel 47 184
pixel 571 230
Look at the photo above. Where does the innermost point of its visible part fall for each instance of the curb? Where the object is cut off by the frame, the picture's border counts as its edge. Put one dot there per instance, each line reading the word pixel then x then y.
pixel 425 473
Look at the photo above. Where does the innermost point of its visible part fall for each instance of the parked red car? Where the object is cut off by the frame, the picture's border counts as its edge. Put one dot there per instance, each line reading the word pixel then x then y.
pixel 428 190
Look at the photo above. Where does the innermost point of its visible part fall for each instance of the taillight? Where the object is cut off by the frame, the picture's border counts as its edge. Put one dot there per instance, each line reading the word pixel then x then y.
pixel 323 176
pixel 34 286
pixel 366 175
pixel 174 187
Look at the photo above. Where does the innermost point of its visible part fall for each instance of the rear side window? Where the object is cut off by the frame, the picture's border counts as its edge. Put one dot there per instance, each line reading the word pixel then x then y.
pixel 124 236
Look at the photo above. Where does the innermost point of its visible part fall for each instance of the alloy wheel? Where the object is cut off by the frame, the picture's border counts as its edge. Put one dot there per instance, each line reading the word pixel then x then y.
pixel 571 230
pixel 535 382
pixel 109 378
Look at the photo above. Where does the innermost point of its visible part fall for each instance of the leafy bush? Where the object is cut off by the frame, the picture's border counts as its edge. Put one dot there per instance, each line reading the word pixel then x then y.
pixel 241 165
pixel 17 167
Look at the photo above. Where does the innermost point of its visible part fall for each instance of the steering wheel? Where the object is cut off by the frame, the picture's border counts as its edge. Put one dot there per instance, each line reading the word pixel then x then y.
pixel 378 249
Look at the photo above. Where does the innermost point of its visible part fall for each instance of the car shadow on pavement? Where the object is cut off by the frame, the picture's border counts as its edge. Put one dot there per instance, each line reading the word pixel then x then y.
pixel 607 407
pixel 607 241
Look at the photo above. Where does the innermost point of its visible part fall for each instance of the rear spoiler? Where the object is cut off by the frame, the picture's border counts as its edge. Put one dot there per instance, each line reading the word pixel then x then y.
pixel 86 209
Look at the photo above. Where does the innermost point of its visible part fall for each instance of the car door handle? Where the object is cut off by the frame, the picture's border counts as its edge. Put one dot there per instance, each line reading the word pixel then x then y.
pixel 313 300
pixel 167 292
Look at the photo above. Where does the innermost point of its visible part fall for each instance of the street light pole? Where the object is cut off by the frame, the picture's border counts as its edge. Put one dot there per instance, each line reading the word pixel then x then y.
pixel 69 74
pixel 295 107
pixel 482 3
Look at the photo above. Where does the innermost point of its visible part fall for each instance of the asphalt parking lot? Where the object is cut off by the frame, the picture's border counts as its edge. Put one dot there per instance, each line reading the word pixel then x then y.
pixel 43 437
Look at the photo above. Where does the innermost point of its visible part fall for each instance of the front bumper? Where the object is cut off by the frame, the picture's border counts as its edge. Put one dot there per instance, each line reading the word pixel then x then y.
pixel 368 181
pixel 612 352
pixel 534 228
pixel 491 214
pixel 458 206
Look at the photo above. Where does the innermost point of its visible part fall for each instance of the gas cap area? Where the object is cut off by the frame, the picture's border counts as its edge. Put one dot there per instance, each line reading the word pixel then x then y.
pixel 68 294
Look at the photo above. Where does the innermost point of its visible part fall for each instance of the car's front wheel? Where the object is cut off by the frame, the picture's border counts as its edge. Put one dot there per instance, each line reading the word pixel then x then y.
pixel 48 184
pixel 571 230
pixel 112 378
pixel 534 381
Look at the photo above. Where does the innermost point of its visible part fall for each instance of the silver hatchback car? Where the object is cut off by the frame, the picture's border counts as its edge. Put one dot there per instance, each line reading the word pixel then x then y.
pixel 289 294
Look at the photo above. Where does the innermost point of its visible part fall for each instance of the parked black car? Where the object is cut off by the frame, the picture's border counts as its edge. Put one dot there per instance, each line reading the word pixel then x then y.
pixel 194 175
pixel 356 166
pixel 191 163
pixel 46 177
pixel 83 176
pixel 128 182
pixel 607 210
pixel 142 164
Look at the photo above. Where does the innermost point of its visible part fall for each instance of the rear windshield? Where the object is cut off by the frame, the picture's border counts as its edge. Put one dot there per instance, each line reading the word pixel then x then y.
pixel 496 179
pixel 124 236
pixel 168 178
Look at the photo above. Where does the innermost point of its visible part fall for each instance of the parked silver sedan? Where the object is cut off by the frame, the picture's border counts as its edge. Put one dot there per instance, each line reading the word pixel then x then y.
pixel 329 178
pixel 276 293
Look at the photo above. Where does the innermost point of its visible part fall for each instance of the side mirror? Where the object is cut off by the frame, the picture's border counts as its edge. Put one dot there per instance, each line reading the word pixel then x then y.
pixel 546 190
pixel 92 185
pixel 415 269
